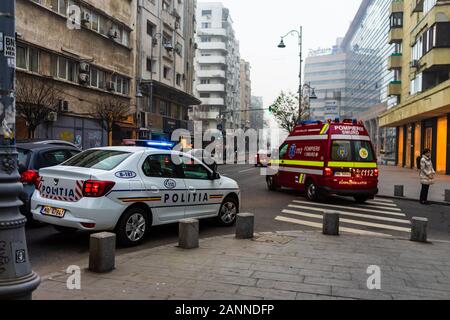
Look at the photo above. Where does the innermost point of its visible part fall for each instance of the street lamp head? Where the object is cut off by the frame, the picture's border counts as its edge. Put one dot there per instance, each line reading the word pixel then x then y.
pixel 282 45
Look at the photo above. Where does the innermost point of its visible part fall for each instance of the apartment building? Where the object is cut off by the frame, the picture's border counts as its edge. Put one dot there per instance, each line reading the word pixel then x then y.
pixel 86 58
pixel 325 71
pixel 217 66
pixel 246 94
pixel 257 113
pixel 420 33
pixel 165 71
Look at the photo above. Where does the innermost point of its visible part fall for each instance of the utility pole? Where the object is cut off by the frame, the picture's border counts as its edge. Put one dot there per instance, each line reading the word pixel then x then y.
pixel 17 280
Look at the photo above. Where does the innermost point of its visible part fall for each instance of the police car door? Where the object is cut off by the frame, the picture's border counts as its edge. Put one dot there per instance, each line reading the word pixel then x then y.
pixel 204 194
pixel 165 187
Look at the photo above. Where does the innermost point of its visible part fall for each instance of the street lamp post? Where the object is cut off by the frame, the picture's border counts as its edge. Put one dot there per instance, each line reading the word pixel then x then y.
pixel 300 44
pixel 17 280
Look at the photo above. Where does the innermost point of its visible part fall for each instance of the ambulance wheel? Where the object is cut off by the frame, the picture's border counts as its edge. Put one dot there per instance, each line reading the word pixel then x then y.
pixel 361 199
pixel 132 227
pixel 228 212
pixel 312 192
pixel 271 184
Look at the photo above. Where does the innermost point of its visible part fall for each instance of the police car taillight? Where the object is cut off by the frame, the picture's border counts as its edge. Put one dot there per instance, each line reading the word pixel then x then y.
pixel 328 172
pixel 96 189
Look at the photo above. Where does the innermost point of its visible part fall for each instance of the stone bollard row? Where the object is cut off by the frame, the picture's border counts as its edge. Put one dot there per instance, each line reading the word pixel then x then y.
pixel 188 234
pixel 330 223
pixel 245 225
pixel 419 229
pixel 399 191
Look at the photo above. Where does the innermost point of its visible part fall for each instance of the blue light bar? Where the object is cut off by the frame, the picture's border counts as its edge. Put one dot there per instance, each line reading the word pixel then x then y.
pixel 163 145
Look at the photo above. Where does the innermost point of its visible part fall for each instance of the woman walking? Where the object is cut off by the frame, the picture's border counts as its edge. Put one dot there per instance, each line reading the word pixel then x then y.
pixel 427 174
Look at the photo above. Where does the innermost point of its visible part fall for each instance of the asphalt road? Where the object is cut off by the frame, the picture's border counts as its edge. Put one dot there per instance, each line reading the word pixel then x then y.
pixel 275 211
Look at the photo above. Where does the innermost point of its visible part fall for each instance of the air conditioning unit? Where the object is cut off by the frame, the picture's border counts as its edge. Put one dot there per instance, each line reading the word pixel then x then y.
pixel 113 34
pixel 83 78
pixel 111 86
pixel 52 117
pixel 84 67
pixel 63 106
pixel 415 64
pixel 85 18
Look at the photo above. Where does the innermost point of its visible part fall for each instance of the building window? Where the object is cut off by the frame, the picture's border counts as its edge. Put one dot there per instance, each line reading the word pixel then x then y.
pixel 151 29
pixel 59 6
pixel 205 39
pixel 397 20
pixel 164 108
pixel 178 80
pixel 166 72
pixel 94 22
pixel 206 12
pixel 166 5
pixel 428 5
pixel 205 81
pixel 98 78
pixel 22 58
pixel 150 65
pixel 206 25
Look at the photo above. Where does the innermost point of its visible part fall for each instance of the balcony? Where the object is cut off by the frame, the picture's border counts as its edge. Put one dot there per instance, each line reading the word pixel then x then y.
pixel 397 6
pixel 436 59
pixel 395 35
pixel 213 101
pixel 216 87
pixel 395 88
pixel 212 46
pixel 212 60
pixel 213 32
pixel 211 74
pixel 212 115
pixel 395 62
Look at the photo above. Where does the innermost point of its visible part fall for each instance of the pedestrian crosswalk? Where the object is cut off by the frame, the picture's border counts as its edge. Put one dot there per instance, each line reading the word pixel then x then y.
pixel 378 217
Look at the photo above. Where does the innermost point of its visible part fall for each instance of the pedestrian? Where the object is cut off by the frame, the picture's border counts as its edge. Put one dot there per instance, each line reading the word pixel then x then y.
pixel 427 174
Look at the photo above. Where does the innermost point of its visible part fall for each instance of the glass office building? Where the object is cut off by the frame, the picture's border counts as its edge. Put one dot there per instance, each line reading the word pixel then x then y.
pixel 367 47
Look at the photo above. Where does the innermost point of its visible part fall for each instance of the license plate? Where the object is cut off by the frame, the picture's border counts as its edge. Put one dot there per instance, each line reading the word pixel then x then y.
pixel 343 174
pixel 53 212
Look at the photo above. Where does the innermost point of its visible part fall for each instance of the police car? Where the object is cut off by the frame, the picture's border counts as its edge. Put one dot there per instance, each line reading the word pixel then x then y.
pixel 129 189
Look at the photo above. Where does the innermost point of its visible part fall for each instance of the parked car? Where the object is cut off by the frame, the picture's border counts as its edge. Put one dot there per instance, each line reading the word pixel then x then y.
pixel 52 142
pixel 35 156
pixel 262 158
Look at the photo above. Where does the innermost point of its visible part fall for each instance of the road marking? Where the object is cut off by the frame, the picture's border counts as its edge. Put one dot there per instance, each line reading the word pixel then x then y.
pixel 246 170
pixel 352 208
pixel 378 207
pixel 356 215
pixel 343 229
pixel 381 203
pixel 351 221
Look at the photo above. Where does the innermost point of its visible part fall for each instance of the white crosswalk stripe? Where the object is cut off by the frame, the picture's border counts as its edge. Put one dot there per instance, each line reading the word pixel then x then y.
pixel 375 218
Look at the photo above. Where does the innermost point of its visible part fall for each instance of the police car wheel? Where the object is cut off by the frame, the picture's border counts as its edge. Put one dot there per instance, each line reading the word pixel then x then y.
pixel 132 227
pixel 228 212
pixel 311 191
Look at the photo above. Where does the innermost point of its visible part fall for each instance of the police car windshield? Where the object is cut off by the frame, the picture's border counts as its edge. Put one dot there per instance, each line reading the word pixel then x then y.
pixel 98 159
pixel 355 151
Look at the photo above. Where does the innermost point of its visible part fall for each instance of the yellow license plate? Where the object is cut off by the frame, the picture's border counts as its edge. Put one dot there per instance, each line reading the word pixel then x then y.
pixel 54 212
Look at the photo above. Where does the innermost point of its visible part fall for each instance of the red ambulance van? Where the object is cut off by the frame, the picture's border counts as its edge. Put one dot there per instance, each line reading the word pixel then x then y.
pixel 323 159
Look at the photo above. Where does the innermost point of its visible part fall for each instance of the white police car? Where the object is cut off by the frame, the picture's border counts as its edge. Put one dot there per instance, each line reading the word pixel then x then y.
pixel 130 189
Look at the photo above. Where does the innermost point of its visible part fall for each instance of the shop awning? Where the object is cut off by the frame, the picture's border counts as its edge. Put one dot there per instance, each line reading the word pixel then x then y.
pixel 170 93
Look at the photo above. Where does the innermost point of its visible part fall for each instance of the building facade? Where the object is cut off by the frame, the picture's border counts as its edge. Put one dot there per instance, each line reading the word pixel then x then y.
pixel 257 113
pixel 325 71
pixel 368 74
pixel 217 66
pixel 420 33
pixel 165 51
pixel 246 94
pixel 55 52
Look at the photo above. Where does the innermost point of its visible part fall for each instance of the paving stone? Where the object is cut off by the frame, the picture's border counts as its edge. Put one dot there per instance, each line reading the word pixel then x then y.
pixel 360 294
pixel 294 286
pixel 332 282
pixel 278 276
pixel 271 294
pixel 272 268
pixel 212 295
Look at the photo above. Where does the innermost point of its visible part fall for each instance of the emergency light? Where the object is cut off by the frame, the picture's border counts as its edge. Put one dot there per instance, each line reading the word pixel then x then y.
pixel 162 145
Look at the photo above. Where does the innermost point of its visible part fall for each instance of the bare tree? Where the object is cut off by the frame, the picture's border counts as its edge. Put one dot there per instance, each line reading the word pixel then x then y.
pixel 36 98
pixel 285 110
pixel 108 111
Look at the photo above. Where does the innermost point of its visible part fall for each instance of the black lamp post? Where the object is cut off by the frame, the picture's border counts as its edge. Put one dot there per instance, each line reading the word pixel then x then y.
pixel 17 280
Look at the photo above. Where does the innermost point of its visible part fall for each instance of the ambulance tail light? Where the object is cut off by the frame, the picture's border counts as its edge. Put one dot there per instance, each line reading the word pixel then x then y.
pixel 328 172
pixel 97 189
pixel 376 172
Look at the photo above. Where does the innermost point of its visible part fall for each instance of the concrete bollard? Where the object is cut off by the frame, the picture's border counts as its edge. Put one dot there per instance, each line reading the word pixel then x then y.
pixel 447 195
pixel 245 224
pixel 419 229
pixel 399 191
pixel 330 223
pixel 102 252
pixel 188 234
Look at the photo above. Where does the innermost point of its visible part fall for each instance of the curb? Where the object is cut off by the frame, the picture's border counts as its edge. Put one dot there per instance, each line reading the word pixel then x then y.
pixel 441 203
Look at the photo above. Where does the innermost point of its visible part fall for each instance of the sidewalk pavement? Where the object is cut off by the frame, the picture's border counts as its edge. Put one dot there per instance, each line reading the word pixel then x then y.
pixel 409 178
pixel 285 266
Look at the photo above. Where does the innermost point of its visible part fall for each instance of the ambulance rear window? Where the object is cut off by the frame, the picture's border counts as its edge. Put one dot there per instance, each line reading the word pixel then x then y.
pixel 98 159
pixel 357 151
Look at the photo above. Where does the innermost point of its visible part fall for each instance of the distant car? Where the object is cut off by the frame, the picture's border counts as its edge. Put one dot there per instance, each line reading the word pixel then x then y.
pixel 262 158
pixel 52 142
pixel 35 156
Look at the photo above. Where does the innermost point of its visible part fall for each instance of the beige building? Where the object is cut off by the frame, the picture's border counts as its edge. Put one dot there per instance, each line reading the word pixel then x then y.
pixel 88 59
pixel 165 53
pixel 246 94
pixel 419 31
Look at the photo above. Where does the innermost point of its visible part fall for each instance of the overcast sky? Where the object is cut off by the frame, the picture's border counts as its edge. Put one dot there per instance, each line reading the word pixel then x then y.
pixel 259 24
